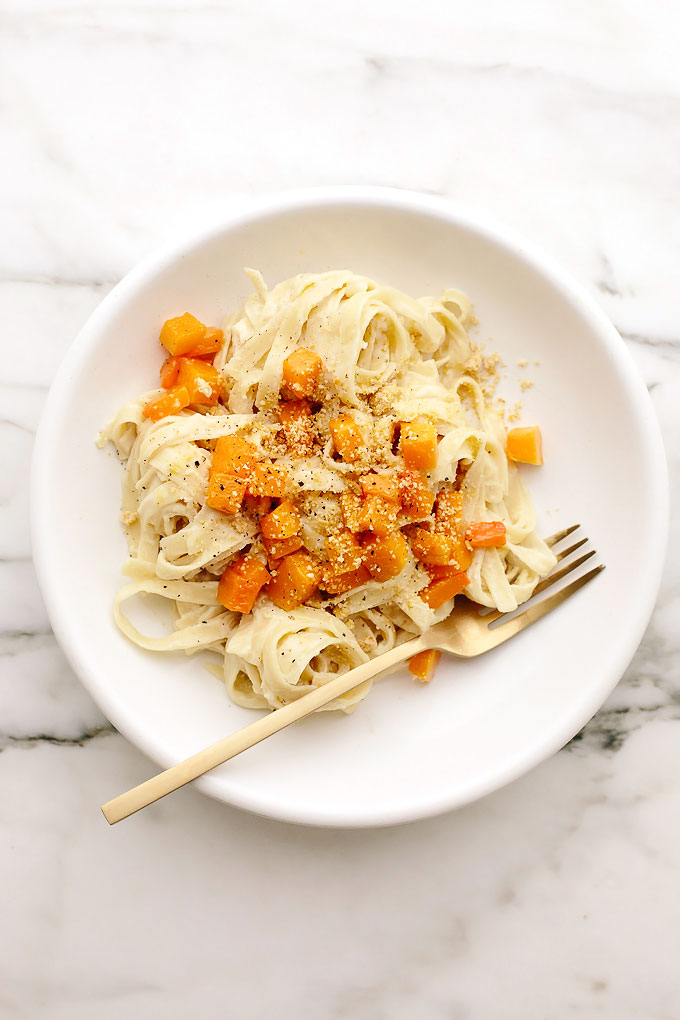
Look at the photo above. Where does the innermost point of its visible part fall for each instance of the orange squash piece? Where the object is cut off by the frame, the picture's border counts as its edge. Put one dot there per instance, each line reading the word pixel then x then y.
pixel 347 437
pixel 444 587
pixel 462 555
pixel 438 572
pixel 282 522
pixel 295 417
pixel 276 549
pixel 301 371
pixel 293 411
pixel 431 547
pixel 418 445
pixel 486 534
pixel 294 580
pixel 448 570
pixel 353 514
pixel 449 521
pixel 448 515
pixel 241 583
pixel 170 372
pixel 171 402
pixel 344 552
pixel 338 584
pixel 259 505
pixel 268 479
pixel 181 334
pixel 525 445
pixel 234 456
pixel 225 492
pixel 371 513
pixel 423 665
pixel 209 345
pixel 202 380
pixel 386 557
pixel 385 486
pixel 379 515
pixel 415 495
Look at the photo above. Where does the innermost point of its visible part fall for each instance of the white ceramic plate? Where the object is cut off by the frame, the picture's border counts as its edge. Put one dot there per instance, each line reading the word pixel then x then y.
pixel 408 751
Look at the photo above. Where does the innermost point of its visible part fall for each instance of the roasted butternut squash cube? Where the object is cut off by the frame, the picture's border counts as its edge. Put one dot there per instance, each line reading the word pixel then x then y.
pixel 267 479
pixel 385 486
pixel 525 445
pixel 209 345
pixel 202 380
pixel 423 665
pixel 171 402
pixel 431 547
pixel 418 445
pixel 234 455
pixel 295 417
pixel 386 557
pixel 415 495
pixel 449 521
pixel 181 334
pixel 293 410
pixel 353 511
pixel 276 549
pixel 338 584
pixel 301 371
pixel 486 535
pixel 282 522
pixel 225 492
pixel 344 552
pixel 259 505
pixel 294 580
pixel 241 583
pixel 347 437
pixel 380 515
pixel 443 588
pixel 436 572
pixel 448 515
pixel 170 372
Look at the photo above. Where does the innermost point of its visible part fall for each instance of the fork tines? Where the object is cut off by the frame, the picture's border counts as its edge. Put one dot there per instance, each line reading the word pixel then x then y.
pixel 559 535
pixel 535 611
pixel 502 626
pixel 557 575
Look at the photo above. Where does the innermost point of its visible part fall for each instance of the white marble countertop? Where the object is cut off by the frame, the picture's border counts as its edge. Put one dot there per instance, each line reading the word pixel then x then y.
pixel 123 124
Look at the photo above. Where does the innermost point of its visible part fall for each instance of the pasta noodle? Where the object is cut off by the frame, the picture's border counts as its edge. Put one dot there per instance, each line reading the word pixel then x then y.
pixel 387 359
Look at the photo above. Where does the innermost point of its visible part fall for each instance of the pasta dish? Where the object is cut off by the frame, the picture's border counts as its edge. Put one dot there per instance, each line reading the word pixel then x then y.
pixel 317 480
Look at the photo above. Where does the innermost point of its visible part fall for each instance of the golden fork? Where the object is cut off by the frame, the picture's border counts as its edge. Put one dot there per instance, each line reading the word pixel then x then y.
pixel 466 633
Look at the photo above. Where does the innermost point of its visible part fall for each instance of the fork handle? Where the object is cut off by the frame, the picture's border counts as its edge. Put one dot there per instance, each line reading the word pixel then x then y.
pixel 198 764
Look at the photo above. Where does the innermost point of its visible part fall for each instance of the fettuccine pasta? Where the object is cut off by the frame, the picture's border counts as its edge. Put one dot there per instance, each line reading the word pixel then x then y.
pixel 315 482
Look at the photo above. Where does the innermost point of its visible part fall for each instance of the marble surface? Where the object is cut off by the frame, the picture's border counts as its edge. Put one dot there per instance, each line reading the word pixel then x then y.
pixel 123 124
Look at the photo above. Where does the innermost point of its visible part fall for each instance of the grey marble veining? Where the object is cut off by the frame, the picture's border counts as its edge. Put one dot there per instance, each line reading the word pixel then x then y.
pixel 124 124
